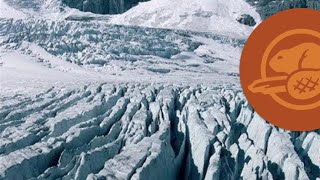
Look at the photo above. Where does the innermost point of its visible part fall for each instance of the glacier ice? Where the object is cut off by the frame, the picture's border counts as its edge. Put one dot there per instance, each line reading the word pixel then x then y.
pixel 83 99
pixel 138 131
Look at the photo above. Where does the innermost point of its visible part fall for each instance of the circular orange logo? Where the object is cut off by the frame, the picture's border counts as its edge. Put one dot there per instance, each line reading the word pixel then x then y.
pixel 280 69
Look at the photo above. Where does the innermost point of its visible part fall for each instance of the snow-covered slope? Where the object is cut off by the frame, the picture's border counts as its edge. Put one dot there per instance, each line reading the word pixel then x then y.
pixel 120 51
pixel 7 11
pixel 81 99
pixel 218 16
pixel 44 9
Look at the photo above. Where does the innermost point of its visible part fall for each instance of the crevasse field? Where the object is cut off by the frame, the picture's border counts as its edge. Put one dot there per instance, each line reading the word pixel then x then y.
pixel 152 93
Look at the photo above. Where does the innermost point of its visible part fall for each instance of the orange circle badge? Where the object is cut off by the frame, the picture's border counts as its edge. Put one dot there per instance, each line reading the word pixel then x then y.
pixel 280 69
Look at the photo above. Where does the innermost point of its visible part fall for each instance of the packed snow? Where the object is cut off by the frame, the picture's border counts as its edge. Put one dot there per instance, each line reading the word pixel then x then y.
pixel 7 11
pixel 219 16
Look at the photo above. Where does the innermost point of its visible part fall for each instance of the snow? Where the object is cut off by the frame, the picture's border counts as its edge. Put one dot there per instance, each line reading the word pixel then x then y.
pixel 47 9
pixel 7 11
pixel 310 145
pixel 91 100
pixel 20 72
pixel 218 16
pixel 103 54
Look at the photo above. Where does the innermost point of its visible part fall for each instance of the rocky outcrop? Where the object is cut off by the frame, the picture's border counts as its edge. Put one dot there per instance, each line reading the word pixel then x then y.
pixel 246 19
pixel 267 8
pixel 102 6
pixel 314 4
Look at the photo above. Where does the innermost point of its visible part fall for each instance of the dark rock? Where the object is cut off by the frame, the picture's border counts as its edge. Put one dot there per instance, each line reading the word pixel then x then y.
pixel 102 6
pixel 247 20
pixel 314 4
pixel 267 8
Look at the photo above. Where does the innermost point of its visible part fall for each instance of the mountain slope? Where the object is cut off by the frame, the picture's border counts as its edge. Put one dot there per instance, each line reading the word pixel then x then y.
pixel 218 16
pixel 7 11
pixel 83 99
pixel 267 8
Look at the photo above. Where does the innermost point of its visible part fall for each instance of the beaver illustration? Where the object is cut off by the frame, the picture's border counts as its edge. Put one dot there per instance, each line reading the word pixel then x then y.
pixel 302 66
pixel 303 56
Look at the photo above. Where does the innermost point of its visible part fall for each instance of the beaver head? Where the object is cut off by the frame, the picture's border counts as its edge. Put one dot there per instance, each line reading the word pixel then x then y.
pixel 305 55
pixel 284 62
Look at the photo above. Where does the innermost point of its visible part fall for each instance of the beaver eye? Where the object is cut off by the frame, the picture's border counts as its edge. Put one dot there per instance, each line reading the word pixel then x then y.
pixel 280 57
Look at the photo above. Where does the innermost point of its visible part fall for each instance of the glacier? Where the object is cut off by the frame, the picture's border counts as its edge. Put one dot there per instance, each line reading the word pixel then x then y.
pixel 83 97
pixel 144 131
